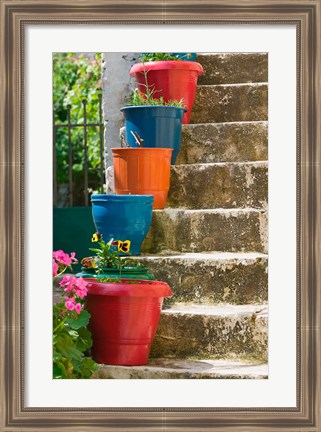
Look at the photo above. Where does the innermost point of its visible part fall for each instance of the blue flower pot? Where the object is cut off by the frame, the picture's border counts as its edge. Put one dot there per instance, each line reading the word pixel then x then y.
pixel 158 126
pixel 123 217
pixel 185 56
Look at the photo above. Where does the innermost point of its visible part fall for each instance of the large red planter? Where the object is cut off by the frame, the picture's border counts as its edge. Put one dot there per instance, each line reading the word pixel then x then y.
pixel 171 79
pixel 124 319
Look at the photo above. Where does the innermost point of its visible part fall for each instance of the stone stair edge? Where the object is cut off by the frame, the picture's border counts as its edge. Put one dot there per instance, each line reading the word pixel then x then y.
pixel 218 310
pixel 229 53
pixel 262 163
pixel 215 255
pixel 217 210
pixel 196 125
pixel 164 368
pixel 245 84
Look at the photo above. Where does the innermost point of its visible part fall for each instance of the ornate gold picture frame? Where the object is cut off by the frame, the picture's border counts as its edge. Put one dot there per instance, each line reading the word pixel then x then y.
pixel 15 17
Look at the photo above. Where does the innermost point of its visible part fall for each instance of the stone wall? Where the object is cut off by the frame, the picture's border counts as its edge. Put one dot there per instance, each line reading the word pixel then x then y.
pixel 116 84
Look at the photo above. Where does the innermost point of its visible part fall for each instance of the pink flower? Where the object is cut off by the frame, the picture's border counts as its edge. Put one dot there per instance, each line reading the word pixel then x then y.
pixel 81 288
pixel 81 283
pixel 73 258
pixel 63 258
pixel 54 268
pixel 81 293
pixel 70 303
pixel 78 308
pixel 68 282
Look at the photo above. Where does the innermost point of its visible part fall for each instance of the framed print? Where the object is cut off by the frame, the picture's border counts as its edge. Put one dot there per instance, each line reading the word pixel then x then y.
pixel 286 37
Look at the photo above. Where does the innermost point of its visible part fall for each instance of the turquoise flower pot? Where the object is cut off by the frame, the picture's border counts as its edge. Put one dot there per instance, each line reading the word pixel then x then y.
pixel 159 126
pixel 123 217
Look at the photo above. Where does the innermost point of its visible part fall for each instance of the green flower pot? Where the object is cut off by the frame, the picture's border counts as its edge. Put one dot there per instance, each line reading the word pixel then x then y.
pixel 127 272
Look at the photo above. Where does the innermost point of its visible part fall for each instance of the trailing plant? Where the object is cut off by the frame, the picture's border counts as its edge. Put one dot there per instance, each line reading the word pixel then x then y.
pixel 71 338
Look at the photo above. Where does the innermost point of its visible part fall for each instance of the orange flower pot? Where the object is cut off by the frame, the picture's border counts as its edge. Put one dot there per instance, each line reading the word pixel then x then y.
pixel 143 171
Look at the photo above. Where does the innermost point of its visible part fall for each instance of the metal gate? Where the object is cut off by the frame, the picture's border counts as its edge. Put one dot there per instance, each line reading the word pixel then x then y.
pixel 100 171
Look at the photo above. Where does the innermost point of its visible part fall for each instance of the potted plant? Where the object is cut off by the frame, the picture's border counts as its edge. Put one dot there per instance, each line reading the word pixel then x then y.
pixel 153 122
pixel 124 318
pixel 107 261
pixel 123 216
pixel 171 78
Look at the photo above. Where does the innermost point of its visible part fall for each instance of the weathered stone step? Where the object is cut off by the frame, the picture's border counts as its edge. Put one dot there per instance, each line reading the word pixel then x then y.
pixel 225 185
pixel 223 142
pixel 228 230
pixel 202 331
pixel 234 278
pixel 233 68
pixel 186 369
pixel 230 103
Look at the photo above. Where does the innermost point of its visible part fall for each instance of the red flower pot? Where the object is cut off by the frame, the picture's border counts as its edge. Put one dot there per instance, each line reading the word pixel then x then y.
pixel 171 79
pixel 124 319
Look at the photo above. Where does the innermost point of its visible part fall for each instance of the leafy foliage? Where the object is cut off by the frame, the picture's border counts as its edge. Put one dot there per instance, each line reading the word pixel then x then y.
pixel 71 339
pixel 138 99
pixel 77 78
pixel 108 257
pixel 146 57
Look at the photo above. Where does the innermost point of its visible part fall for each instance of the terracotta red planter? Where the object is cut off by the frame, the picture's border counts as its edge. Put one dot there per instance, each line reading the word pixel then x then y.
pixel 124 319
pixel 171 79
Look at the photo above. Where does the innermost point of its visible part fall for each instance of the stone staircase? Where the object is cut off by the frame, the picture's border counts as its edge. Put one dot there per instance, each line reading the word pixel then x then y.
pixel 210 243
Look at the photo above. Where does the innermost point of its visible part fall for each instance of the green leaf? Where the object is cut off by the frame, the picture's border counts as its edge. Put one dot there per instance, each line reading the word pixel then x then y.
pixel 67 348
pixel 73 333
pixel 81 320
pixel 84 340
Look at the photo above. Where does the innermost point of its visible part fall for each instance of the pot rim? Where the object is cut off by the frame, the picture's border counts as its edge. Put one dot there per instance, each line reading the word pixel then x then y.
pixel 167 64
pixel 127 269
pixel 146 149
pixel 118 198
pixel 135 288
pixel 125 108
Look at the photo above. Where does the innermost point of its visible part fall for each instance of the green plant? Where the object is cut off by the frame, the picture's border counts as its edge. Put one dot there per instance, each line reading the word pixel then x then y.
pixel 107 255
pixel 138 99
pixel 71 338
pixel 146 57
pixel 76 78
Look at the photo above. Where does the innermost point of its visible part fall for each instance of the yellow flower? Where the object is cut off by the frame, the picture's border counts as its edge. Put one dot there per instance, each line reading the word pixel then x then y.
pixel 96 237
pixel 88 262
pixel 124 246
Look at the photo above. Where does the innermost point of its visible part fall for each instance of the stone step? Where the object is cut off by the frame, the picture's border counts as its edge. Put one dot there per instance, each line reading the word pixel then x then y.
pixel 233 68
pixel 206 330
pixel 223 142
pixel 230 103
pixel 234 278
pixel 225 185
pixel 226 230
pixel 186 369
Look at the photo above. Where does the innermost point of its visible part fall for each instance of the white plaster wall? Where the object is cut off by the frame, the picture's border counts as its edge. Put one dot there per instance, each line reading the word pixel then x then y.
pixel 116 85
